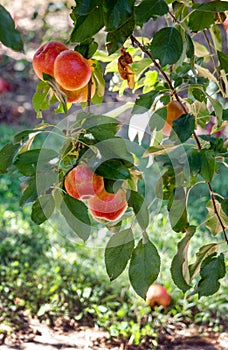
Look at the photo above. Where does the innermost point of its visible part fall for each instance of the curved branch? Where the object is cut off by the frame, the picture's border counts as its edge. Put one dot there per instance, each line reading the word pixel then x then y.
pixel 174 93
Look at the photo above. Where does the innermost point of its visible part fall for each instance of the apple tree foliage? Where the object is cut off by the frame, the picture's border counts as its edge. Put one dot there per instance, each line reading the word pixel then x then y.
pixel 184 59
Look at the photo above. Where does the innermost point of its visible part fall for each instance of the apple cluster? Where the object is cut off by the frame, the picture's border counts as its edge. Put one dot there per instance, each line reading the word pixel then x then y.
pixel 69 68
pixel 82 184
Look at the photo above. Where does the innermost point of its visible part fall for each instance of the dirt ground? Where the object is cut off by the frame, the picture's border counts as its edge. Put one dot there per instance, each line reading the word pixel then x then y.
pixel 16 107
pixel 40 337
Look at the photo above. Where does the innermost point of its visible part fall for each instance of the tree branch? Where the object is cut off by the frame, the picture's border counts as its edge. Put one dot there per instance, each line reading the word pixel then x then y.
pixel 174 93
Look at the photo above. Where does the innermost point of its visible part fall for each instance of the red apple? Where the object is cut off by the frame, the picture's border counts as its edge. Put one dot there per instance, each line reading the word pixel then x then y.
pixel 71 70
pixel 82 183
pixel 4 86
pixel 157 295
pixel 44 58
pixel 108 206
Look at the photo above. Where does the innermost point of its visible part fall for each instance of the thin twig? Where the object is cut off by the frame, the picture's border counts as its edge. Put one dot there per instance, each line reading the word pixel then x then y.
pixel 174 93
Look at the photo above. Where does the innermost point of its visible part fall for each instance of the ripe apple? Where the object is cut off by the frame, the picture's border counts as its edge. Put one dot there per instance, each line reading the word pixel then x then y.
pixel 4 86
pixel 82 183
pixel 108 206
pixel 174 111
pixel 44 58
pixel 80 95
pixel 157 295
pixel 71 70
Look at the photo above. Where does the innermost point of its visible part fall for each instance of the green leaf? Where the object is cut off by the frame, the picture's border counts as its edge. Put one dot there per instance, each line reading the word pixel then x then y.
pixel 224 205
pixel 84 7
pixel 144 102
pixel 87 25
pixel 217 108
pixel 114 148
pixel 30 193
pixel 118 251
pixel 149 9
pixel 179 266
pixel 100 126
pixel 76 215
pixel 87 48
pixel 183 127
pixel 213 268
pixel 113 169
pixel 167 46
pixel 9 36
pixel 116 38
pixel 26 162
pixel 200 256
pixel 140 208
pixel 144 267
pixel 212 222
pixel 158 119
pixel 223 59
pixel 203 16
pixel 178 211
pixel 7 154
pixel 190 46
pixel 117 13
pixel 40 98
pixel 42 208
pixel 208 164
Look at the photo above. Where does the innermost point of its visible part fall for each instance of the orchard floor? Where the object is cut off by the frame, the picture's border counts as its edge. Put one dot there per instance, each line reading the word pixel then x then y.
pixel 38 336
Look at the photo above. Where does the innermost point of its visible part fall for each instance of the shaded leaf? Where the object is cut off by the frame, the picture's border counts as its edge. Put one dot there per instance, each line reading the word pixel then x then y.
pixel 116 38
pixel 87 25
pixel 42 208
pixel 208 164
pixel 7 154
pixel 87 48
pixel 113 169
pixel 223 59
pixel 178 211
pixel 118 251
pixel 183 127
pixel 144 102
pixel 117 13
pixel 167 46
pixel 213 268
pixel 140 208
pixel 76 215
pixel 149 9
pixel 30 193
pixel 9 36
pixel 144 267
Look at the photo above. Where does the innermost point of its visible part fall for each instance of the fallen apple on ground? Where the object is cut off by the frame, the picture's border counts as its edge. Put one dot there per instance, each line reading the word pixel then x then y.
pixel 157 295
